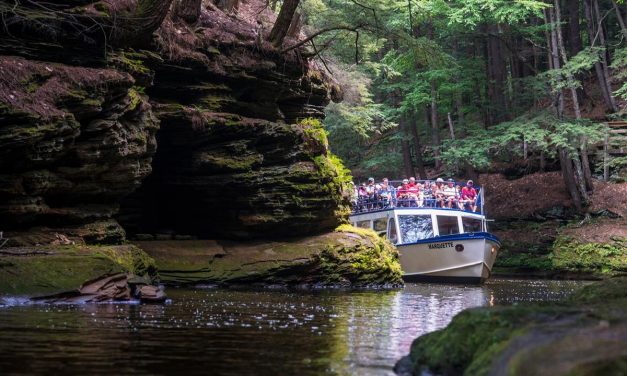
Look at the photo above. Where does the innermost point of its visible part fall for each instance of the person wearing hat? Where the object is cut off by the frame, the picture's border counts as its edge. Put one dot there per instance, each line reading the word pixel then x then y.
pixel 469 196
pixel 438 192
pixel 450 194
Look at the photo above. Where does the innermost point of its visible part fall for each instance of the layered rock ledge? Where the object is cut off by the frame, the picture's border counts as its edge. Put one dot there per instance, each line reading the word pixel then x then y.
pixel 348 257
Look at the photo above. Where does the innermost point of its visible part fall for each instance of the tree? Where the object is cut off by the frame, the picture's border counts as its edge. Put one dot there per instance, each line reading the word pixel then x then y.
pixel 282 24
pixel 135 28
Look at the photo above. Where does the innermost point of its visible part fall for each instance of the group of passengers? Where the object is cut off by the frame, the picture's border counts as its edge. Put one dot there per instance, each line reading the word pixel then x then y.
pixel 412 193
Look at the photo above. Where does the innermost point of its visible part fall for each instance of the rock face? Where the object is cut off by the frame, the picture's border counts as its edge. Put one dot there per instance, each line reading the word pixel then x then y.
pixel 239 153
pixel 57 268
pixel 73 142
pixel 586 335
pixel 348 257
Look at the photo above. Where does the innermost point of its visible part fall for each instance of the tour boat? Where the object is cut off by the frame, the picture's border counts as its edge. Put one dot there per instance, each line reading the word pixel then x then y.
pixel 435 244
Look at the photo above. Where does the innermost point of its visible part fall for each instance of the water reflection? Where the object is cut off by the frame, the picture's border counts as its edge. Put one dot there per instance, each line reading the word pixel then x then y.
pixel 233 332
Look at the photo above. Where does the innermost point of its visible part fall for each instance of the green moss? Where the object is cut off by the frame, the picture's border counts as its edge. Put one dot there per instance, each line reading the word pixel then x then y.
pixel 478 337
pixel 222 162
pixel 54 269
pixel 605 258
pixel 470 342
pixel 135 98
pixel 132 259
pixel 372 260
pixel 130 61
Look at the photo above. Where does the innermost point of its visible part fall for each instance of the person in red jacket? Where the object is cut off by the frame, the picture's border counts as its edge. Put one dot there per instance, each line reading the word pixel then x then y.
pixel 413 191
pixel 469 196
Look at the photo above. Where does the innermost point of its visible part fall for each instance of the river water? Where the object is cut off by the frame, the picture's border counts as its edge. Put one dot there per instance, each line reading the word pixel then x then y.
pixel 226 332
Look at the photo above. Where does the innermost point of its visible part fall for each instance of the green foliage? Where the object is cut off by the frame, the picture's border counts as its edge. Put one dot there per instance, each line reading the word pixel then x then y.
pixel 542 132
pixel 620 71
pixel 412 54
pixel 560 79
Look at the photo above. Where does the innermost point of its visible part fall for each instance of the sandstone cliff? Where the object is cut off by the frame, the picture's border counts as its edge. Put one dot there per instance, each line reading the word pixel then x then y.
pixel 125 119
pixel 239 152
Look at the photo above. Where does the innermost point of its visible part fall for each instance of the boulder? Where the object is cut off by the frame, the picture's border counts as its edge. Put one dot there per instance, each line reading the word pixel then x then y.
pixel 347 257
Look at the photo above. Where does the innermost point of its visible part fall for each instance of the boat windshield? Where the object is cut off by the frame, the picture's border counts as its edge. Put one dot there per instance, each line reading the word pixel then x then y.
pixel 415 227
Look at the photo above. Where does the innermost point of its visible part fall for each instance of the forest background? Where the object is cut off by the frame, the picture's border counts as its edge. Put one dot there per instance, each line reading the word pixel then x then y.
pixel 451 88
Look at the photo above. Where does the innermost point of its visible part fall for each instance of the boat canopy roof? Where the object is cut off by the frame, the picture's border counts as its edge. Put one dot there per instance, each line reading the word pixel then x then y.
pixel 419 194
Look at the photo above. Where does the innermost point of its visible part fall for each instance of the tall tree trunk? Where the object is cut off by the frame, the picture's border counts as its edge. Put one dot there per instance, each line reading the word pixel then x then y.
pixel 574 30
pixel 413 128
pixel 295 26
pixel 562 50
pixel 569 175
pixel 283 22
pixel 621 20
pixel 605 55
pixel 408 169
pixel 435 127
pixel 569 179
pixel 135 29
pixel 604 84
pixel 497 69
pixel 555 63
pixel 188 10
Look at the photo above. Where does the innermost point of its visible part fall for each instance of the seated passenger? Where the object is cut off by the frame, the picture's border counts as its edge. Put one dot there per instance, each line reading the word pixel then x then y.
pixel 438 192
pixel 402 194
pixel 362 199
pixel 388 192
pixel 469 197
pixel 370 188
pixel 414 192
pixel 450 194
pixel 427 194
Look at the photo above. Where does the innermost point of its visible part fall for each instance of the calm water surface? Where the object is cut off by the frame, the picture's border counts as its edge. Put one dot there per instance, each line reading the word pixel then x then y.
pixel 223 332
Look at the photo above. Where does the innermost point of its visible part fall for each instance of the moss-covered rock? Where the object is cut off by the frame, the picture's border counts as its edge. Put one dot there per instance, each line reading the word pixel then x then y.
pixel 605 258
pixel 594 249
pixel 584 335
pixel 47 270
pixel 347 257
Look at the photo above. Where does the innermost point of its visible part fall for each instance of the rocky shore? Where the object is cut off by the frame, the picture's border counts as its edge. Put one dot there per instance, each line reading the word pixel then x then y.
pixel 583 335
pixel 543 237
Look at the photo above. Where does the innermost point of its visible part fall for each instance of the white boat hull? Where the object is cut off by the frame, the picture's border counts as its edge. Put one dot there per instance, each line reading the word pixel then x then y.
pixel 458 259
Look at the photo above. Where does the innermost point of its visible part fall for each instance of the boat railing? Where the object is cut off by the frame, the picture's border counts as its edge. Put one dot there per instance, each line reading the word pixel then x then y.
pixel 390 198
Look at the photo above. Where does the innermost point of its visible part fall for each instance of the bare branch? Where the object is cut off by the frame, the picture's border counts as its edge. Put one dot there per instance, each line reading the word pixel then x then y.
pixel 353 29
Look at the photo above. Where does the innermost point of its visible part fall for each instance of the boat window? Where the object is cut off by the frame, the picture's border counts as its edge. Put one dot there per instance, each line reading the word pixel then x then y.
pixel 447 225
pixel 393 238
pixel 364 224
pixel 415 227
pixel 380 224
pixel 471 224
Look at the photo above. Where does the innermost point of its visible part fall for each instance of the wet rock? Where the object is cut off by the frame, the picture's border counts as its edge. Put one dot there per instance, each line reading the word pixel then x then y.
pixel 584 335
pixel 107 288
pixel 347 258
pixel 151 294
pixel 47 270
